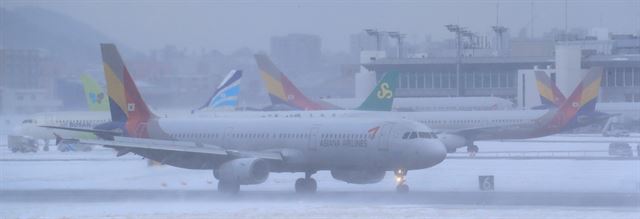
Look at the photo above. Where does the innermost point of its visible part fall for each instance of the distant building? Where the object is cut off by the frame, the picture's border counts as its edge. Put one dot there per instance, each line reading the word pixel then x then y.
pixel 296 53
pixel 20 68
pixel 26 101
pixel 23 86
pixel 498 76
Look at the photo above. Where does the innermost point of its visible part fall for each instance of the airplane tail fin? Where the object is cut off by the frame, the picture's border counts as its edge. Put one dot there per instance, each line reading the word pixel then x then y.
pixel 381 98
pixel 96 99
pixel 581 104
pixel 225 98
pixel 281 89
pixel 126 103
pixel 550 95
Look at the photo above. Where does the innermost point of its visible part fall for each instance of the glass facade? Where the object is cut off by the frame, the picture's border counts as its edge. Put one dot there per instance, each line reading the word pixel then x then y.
pixel 621 77
pixel 474 80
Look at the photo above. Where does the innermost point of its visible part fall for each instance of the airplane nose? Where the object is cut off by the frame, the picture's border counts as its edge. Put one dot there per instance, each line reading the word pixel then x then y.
pixel 431 153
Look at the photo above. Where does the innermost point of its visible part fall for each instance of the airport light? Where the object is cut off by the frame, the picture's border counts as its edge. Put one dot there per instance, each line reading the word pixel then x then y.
pixel 500 30
pixel 459 31
pixel 376 33
pixel 400 37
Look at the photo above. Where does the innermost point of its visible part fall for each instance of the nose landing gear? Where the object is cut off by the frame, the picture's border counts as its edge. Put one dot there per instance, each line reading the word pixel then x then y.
pixel 401 178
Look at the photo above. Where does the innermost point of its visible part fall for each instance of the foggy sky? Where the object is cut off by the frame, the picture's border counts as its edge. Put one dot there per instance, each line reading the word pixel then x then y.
pixel 229 25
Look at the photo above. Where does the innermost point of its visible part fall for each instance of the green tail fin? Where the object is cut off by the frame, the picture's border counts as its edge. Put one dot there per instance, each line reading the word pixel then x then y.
pixel 96 98
pixel 381 98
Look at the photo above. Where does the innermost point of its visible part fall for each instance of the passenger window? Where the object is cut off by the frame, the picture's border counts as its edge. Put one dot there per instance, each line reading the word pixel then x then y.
pixel 406 135
pixel 424 135
pixel 413 135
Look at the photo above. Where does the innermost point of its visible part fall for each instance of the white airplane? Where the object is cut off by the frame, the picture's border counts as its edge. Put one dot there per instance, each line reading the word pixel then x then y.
pixel 243 151
pixel 97 114
pixel 223 99
pixel 456 128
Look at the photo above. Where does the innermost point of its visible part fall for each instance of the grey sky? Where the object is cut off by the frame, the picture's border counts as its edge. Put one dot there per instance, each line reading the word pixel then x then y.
pixel 227 25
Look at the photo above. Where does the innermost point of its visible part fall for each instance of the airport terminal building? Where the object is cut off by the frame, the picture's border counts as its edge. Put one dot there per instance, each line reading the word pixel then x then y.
pixel 505 76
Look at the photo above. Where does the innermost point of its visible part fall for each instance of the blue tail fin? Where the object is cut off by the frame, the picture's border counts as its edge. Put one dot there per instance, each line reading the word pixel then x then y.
pixel 225 97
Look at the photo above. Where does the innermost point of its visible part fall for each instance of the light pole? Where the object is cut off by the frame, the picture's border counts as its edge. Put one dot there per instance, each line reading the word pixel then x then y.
pixel 459 31
pixel 500 30
pixel 376 33
pixel 400 37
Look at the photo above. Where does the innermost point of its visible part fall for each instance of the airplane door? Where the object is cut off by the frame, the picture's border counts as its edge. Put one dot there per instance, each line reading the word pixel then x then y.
pixel 314 139
pixel 383 137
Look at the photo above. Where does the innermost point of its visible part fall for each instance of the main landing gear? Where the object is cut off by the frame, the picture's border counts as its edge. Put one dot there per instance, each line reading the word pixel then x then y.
pixel 306 184
pixel 228 187
pixel 401 178
pixel 472 150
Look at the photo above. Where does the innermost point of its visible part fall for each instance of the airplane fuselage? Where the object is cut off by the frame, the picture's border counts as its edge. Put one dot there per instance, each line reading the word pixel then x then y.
pixel 305 144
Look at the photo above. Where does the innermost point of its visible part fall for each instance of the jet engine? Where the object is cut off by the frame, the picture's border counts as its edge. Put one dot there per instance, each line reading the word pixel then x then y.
pixel 244 171
pixel 452 142
pixel 358 176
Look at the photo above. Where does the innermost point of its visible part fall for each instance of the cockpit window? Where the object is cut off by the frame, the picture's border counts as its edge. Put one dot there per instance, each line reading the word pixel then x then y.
pixel 414 135
pixel 27 121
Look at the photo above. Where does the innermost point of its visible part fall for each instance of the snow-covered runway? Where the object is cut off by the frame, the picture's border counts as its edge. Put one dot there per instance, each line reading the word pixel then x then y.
pixel 99 185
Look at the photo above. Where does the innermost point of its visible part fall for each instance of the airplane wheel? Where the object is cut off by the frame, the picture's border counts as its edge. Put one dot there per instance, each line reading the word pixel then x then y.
pixel 312 185
pixel 306 185
pixel 473 149
pixel 299 185
pixel 228 187
pixel 402 188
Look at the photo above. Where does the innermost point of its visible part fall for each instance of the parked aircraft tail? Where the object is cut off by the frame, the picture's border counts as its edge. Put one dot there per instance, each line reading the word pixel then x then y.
pixel 225 97
pixel 381 98
pixel 281 89
pixel 580 107
pixel 126 104
pixel 550 95
pixel 96 99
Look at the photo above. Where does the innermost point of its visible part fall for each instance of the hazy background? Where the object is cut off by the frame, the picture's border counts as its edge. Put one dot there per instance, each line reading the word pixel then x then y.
pixel 178 51
pixel 229 25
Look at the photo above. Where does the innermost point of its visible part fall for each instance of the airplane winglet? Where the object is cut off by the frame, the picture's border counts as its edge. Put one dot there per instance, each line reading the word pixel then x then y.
pixel 58 138
pixel 61 140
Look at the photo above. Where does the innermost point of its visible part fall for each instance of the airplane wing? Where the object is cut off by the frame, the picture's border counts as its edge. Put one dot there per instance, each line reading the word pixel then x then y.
pixel 173 146
pixel 578 140
pixel 487 132
pixel 95 131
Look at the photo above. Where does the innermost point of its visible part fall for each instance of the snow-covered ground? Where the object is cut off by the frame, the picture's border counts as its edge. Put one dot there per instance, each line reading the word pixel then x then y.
pixel 295 210
pixel 131 172
pixel 101 170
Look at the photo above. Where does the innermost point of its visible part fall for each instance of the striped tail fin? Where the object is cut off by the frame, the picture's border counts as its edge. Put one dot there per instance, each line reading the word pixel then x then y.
pixel 225 98
pixel 281 89
pixel 126 104
pixel 581 103
pixel 550 95
pixel 96 99
pixel 381 98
